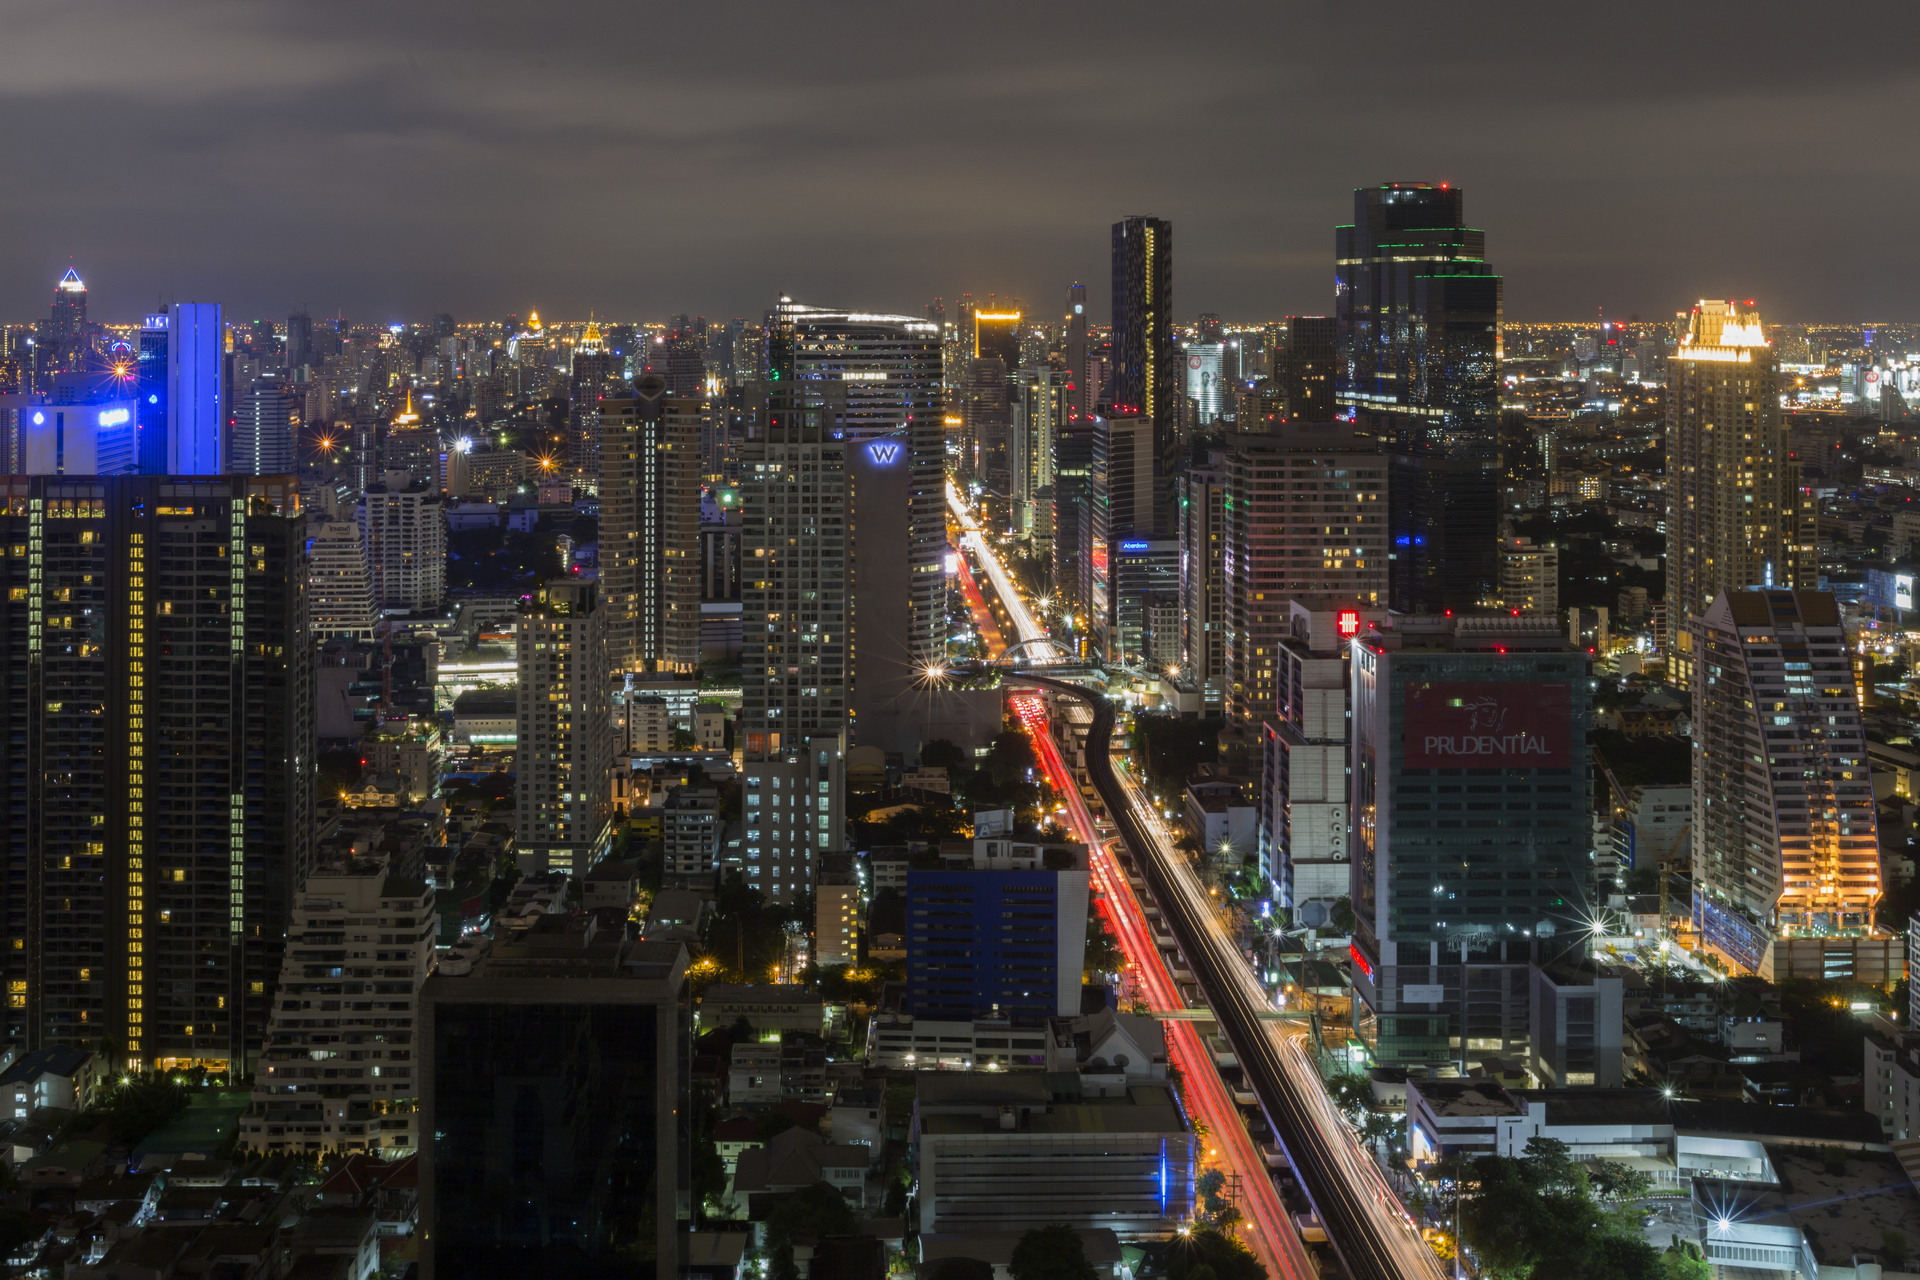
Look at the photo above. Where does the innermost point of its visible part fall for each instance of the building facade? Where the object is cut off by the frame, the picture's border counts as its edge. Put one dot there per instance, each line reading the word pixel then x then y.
pixel 158 751
pixel 357 929
pixel 406 529
pixel 650 527
pixel 1789 847
pixel 563 799
pixel 1471 830
pixel 1306 516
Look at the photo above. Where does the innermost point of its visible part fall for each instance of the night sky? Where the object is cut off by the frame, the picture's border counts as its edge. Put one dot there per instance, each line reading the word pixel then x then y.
pixel 395 159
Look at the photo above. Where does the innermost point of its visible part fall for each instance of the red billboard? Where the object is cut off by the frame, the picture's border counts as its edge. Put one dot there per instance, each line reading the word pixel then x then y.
pixel 1486 724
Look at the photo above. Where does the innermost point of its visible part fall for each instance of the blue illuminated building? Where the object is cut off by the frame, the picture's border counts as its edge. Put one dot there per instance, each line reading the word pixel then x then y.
pixel 196 418
pixel 997 940
pixel 150 381
pixel 94 439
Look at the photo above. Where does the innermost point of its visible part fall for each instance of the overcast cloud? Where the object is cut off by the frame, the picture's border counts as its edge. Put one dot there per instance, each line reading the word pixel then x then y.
pixel 393 159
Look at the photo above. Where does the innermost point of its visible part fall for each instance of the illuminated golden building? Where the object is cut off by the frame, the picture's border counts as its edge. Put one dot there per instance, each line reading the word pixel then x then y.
pixel 1785 841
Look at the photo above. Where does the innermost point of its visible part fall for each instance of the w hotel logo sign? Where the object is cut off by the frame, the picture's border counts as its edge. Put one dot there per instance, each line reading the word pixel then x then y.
pixel 884 452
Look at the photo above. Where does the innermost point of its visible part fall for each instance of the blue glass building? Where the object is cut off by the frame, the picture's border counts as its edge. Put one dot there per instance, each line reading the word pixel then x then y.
pixel 196 418
pixel 995 943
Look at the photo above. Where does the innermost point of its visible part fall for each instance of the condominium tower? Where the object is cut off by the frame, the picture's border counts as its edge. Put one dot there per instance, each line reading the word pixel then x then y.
pixel 650 528
pixel 157 745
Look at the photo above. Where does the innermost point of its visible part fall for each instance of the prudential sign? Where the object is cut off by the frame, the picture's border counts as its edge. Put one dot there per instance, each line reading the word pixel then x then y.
pixel 1489 725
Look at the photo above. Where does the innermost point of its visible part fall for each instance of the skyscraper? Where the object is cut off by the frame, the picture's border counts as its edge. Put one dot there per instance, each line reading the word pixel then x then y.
pixel 262 432
pixel 67 338
pixel 886 370
pixel 1039 407
pixel 406 528
pixel 650 528
pixel 1203 601
pixel 563 797
pixel 156 742
pixel 1448 712
pixel 1119 534
pixel 1146 363
pixel 556 1115
pixel 196 407
pixel 1072 501
pixel 796 620
pixel 1305 516
pixel 1080 393
pixel 300 351
pixel 342 581
pixel 1417 327
pixel 996 335
pixel 1732 489
pixel 1305 368
pixel 1784 833
pixel 153 372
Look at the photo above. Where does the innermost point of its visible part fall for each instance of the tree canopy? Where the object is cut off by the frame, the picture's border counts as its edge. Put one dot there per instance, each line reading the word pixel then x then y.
pixel 1051 1253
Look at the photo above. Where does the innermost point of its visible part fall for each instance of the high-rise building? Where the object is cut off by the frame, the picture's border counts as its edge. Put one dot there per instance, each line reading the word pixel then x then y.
pixel 996 336
pixel 796 623
pixel 342 582
pixel 650 528
pixel 1305 516
pixel 152 373
pixel 311 1093
pixel 1732 488
pixel 66 338
pixel 563 791
pixel 1304 805
pixel 262 433
pixel 1080 393
pixel 1209 397
pixel 556 1115
pixel 406 531
pixel 156 741
pixel 1417 330
pixel 1072 502
pixel 882 373
pixel 986 420
pixel 300 352
pixel 196 407
pixel 1146 363
pixel 1039 407
pixel 1492 713
pixel 679 357
pixel 1304 368
pixel 1785 842
pixel 1203 600
pixel 1120 510
pixel 1530 577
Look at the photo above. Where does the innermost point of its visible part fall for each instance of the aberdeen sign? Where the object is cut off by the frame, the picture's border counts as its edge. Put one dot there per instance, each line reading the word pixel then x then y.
pixel 1489 725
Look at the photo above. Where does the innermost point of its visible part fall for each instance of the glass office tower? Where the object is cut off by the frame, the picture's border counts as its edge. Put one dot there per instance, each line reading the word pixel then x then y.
pixel 1417 329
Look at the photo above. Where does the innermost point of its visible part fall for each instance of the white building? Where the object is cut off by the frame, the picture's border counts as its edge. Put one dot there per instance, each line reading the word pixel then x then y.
pixel 406 532
pixel 691 840
pixel 344 1074
pixel 342 582
pixel 836 921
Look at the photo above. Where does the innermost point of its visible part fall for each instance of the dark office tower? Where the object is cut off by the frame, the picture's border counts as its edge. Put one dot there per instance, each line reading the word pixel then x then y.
pixel 996 335
pixel 1203 600
pixel 1123 561
pixel 937 312
pixel 986 417
pixel 1072 495
pixel 555 1133
pixel 1146 374
pixel 443 326
pixel 1417 339
pixel 1305 369
pixel 1080 395
pixel 650 528
pixel 1210 330
pixel 156 744
pixel 299 340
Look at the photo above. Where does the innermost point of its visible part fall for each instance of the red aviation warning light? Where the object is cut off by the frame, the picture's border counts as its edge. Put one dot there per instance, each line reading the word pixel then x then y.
pixel 1349 622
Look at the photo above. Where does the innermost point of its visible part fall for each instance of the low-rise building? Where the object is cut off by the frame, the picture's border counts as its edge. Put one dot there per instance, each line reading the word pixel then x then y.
pixel 836 920
pixel 690 832
pixel 1012 1152
pixel 794 1160
pixel 765 1006
pixel 1221 818
pixel 60 1076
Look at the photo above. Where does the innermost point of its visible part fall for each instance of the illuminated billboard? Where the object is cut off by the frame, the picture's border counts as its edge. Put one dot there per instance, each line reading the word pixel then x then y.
pixel 1488 724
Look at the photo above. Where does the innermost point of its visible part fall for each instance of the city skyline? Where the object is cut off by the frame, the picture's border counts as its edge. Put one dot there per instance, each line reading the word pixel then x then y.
pixel 407 162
